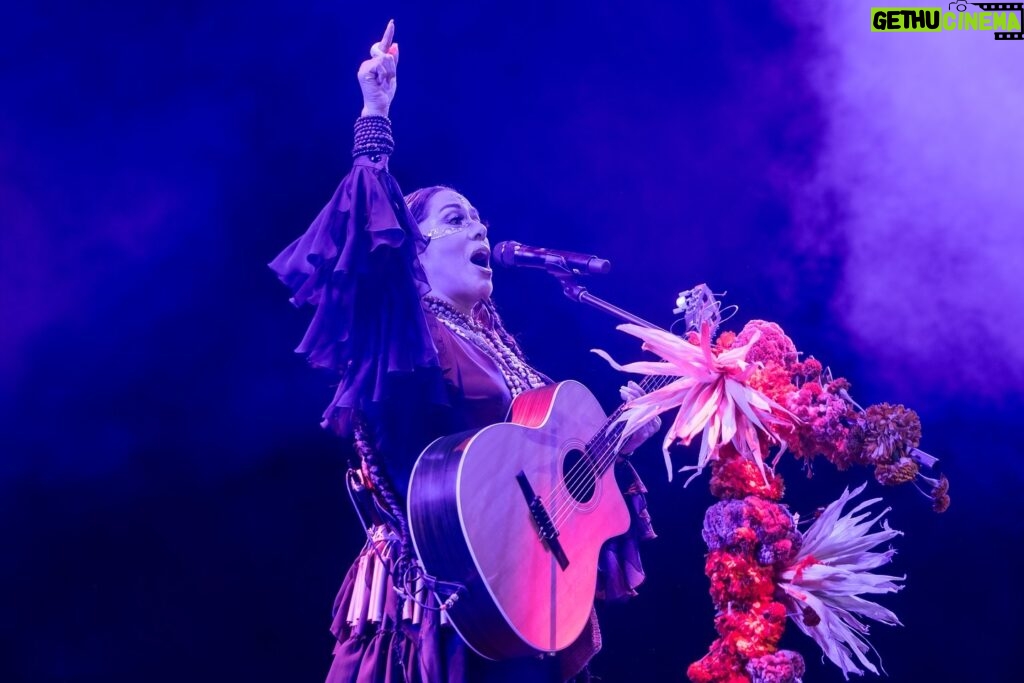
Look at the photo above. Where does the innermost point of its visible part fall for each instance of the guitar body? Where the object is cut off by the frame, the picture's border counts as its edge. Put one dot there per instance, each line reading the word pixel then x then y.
pixel 471 522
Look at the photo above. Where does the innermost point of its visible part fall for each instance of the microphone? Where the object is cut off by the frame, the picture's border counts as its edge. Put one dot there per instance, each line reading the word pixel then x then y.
pixel 516 255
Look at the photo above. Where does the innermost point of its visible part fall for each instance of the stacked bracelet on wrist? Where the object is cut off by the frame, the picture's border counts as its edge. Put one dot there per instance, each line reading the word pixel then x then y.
pixel 373 136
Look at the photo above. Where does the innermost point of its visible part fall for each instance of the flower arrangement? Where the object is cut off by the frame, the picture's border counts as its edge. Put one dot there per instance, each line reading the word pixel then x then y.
pixel 749 395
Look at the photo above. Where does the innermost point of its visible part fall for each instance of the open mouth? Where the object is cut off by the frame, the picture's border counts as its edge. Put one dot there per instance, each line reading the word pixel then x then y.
pixel 481 258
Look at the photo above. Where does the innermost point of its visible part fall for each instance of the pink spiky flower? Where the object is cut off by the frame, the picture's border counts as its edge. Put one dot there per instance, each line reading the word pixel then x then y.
pixel 711 392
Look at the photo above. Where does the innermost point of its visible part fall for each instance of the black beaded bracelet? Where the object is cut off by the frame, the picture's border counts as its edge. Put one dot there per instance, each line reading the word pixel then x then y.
pixel 373 136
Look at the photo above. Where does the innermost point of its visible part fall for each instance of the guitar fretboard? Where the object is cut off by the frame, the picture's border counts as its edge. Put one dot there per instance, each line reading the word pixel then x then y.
pixel 603 448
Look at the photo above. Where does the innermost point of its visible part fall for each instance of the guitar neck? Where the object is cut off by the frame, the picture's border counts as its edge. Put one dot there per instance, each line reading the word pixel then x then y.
pixel 701 309
pixel 604 447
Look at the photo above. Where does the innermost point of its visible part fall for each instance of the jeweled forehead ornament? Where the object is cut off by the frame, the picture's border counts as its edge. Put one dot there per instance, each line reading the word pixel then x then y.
pixel 446 231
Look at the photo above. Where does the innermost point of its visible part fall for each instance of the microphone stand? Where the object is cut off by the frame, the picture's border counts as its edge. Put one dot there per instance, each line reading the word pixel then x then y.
pixel 578 293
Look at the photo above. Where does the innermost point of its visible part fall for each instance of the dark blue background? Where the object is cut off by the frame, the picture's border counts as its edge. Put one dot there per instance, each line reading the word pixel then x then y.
pixel 170 510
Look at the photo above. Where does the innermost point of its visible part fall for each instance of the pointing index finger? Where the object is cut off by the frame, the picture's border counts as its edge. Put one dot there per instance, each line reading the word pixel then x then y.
pixel 389 34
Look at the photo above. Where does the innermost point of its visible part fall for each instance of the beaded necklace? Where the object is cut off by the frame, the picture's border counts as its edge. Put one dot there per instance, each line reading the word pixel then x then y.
pixel 518 375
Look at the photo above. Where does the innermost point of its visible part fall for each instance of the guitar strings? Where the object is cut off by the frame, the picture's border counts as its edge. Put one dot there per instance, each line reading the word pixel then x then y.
pixel 599 453
pixel 705 311
pixel 606 437
pixel 602 451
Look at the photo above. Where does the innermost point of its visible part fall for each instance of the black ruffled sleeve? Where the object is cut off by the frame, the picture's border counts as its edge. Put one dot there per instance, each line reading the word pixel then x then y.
pixel 357 265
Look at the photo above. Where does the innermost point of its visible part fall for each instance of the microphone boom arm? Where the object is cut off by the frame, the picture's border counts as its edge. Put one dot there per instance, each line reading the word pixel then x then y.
pixel 578 293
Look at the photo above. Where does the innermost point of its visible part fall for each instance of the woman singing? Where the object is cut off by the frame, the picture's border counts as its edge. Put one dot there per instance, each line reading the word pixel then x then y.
pixel 402 293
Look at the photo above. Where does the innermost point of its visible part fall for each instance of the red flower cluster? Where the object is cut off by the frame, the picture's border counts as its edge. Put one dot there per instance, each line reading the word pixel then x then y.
pixel 736 477
pixel 774 381
pixel 753 632
pixel 773 346
pixel 828 422
pixel 737 579
pixel 719 665
pixel 807 371
pixel 724 342
pixel 748 536
pixel 822 428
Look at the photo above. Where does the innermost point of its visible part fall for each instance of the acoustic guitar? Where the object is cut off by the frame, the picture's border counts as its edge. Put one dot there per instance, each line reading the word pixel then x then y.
pixel 515 515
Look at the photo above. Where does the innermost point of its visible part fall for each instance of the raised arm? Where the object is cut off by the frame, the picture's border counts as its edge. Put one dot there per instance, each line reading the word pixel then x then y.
pixel 378 75
pixel 357 265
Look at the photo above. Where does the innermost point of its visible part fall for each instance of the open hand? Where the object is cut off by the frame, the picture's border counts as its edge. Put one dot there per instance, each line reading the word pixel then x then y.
pixel 377 75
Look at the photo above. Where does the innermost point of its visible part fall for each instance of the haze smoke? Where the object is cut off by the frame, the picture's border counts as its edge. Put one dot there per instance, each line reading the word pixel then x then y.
pixel 919 177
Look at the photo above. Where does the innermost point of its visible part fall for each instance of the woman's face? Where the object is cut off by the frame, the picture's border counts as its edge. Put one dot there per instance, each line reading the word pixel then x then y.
pixel 458 257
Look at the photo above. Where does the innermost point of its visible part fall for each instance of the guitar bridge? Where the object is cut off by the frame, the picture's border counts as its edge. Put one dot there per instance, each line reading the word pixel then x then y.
pixel 545 527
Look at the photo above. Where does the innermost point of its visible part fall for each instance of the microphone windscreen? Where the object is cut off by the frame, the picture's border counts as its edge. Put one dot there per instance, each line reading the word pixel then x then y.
pixel 504 254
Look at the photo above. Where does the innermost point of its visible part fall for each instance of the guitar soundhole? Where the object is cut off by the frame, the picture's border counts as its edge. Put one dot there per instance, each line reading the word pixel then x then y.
pixel 578 475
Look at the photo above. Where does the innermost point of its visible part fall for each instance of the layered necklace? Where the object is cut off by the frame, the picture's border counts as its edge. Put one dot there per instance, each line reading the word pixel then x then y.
pixel 518 376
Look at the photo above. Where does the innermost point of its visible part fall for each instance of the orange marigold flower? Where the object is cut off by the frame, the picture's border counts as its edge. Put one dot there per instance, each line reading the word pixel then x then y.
pixel 735 477
pixel 807 371
pixel 772 380
pixel 720 665
pixel 754 631
pixel 939 494
pixel 737 579
pixel 724 341
pixel 900 472
pixel 885 432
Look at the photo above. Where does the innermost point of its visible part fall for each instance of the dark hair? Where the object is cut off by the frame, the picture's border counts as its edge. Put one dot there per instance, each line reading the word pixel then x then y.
pixel 417 200
pixel 379 479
